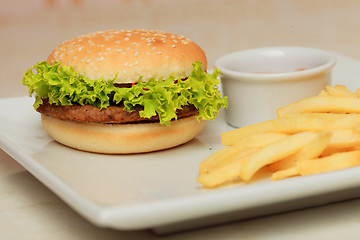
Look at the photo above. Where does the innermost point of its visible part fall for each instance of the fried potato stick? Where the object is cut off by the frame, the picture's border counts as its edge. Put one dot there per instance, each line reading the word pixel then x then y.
pixel 291 125
pixel 310 151
pixel 275 152
pixel 322 104
pixel 336 161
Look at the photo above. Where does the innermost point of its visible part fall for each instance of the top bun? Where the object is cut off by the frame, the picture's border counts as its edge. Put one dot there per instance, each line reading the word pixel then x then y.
pixel 129 54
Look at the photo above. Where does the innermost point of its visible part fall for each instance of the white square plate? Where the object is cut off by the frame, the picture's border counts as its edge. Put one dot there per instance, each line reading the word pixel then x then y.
pixel 159 190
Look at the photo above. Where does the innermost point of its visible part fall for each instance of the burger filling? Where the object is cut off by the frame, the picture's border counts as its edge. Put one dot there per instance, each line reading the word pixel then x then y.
pixel 112 114
pixel 63 93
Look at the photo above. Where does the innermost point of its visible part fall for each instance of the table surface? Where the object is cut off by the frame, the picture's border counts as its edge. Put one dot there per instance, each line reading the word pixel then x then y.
pixel 28 210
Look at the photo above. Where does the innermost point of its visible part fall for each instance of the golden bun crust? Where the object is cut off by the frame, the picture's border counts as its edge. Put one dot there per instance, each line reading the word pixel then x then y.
pixel 130 54
pixel 122 138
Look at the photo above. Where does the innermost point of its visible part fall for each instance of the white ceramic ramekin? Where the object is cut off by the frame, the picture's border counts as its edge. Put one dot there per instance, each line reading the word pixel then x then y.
pixel 259 81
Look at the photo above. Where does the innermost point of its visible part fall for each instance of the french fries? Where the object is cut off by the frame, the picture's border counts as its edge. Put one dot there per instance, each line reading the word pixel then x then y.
pixel 286 173
pixel 322 104
pixel 310 151
pixel 336 161
pixel 292 124
pixel 311 136
pixel 226 172
pixel 275 152
pixel 341 91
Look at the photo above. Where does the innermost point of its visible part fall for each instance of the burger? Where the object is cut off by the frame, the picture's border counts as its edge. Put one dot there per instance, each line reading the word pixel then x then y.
pixel 127 91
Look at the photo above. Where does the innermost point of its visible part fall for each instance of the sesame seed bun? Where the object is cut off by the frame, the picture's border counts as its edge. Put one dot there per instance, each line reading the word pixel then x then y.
pixel 130 54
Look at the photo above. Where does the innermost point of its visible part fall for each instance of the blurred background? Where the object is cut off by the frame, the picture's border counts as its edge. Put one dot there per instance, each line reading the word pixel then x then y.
pixel 30 29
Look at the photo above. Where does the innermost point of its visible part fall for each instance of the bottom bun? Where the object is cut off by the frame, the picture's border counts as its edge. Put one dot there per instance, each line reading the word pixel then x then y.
pixel 122 138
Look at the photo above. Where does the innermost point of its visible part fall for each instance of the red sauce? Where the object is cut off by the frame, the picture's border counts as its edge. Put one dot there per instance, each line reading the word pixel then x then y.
pixel 296 70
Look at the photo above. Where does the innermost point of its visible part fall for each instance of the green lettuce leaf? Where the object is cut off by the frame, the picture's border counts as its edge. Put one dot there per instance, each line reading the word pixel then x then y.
pixel 62 86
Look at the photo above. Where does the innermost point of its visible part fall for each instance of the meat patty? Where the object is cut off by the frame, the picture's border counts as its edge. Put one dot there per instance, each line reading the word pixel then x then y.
pixel 112 114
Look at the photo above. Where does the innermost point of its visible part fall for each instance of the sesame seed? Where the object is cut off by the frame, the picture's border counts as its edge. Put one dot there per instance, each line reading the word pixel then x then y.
pixel 173 46
pixel 88 60
pixel 99 59
pixel 136 62
pixel 117 41
pixel 167 56
pixel 126 39
pixel 119 50
pixel 153 48
pixel 147 53
pixel 126 63
pixel 128 34
pixel 108 49
pixel 123 53
pixel 130 65
pixel 137 53
pixel 149 44
pixel 159 52
pixel 80 48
